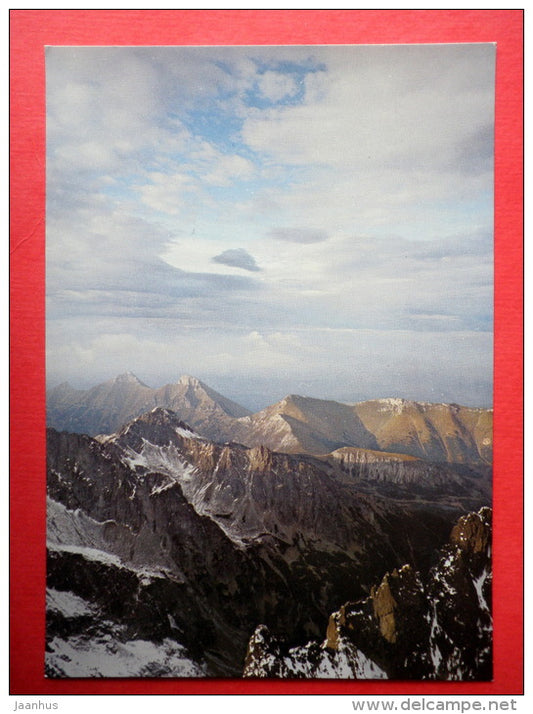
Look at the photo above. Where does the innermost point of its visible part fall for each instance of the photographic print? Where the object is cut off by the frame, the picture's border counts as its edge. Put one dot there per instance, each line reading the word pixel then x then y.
pixel 269 361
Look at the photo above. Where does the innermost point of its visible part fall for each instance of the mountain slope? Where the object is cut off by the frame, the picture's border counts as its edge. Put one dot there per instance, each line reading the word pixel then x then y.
pixel 159 536
pixel 436 432
pixel 304 425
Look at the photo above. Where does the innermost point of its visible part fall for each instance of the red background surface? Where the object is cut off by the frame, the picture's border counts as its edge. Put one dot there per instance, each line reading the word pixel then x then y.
pixel 31 30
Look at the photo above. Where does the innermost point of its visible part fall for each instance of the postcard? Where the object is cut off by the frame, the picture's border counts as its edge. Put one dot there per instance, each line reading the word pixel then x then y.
pixel 269 326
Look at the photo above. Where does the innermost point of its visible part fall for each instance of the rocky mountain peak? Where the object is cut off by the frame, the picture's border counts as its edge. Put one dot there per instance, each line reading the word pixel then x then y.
pixel 163 416
pixel 394 600
pixel 263 646
pixel 291 398
pixel 393 404
pixel 187 381
pixel 260 458
pixel 128 378
pixel 158 429
pixel 64 386
pixel 472 533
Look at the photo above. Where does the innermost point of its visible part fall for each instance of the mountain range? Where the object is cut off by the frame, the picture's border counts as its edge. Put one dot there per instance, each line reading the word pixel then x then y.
pixel 173 553
pixel 106 407
pixel 436 432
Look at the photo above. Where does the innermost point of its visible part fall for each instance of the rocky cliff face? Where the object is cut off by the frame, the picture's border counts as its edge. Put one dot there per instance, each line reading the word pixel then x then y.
pixel 411 626
pixel 173 547
pixel 140 556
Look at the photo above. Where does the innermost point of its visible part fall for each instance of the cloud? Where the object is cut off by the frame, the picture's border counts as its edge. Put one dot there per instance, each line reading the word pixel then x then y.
pixel 166 192
pixel 298 235
pixel 393 125
pixel 237 258
pixel 102 262
pixel 353 184
pixel 475 152
pixel 228 169
pixel 276 86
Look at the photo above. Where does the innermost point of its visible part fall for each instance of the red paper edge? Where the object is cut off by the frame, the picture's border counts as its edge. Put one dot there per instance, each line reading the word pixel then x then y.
pixel 30 31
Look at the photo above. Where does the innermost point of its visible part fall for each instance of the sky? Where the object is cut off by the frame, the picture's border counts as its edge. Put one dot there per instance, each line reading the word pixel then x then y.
pixel 307 219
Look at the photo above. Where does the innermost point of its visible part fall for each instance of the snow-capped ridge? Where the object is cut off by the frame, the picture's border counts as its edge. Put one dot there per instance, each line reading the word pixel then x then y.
pixel 160 416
